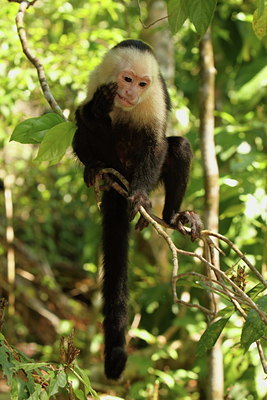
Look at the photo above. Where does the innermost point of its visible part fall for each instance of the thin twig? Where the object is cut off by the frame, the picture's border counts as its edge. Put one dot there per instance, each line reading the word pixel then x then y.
pixel 193 305
pixel 172 247
pixel 262 356
pixel 238 252
pixel 239 295
pixel 24 5
pixel 152 23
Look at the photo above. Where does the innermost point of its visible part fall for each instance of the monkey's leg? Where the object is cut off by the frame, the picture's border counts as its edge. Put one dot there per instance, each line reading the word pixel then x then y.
pixel 115 291
pixel 175 175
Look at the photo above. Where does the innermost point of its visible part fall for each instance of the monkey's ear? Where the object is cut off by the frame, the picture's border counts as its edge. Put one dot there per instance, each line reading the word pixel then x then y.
pixel 103 99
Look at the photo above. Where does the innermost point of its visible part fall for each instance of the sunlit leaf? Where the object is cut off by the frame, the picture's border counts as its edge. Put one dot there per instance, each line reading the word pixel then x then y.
pixel 226 312
pixel 201 13
pixel 261 5
pixel 28 366
pixel 56 142
pixel 251 88
pixel 165 378
pixel 59 381
pixel 83 376
pixel 177 14
pixel 33 130
pixel 79 394
pixel 144 335
pixel 256 290
pixel 14 392
pixel 260 23
pixel 5 363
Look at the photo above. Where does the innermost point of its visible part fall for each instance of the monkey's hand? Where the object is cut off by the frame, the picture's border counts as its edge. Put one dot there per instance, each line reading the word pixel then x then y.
pixel 135 200
pixel 190 218
pixel 102 102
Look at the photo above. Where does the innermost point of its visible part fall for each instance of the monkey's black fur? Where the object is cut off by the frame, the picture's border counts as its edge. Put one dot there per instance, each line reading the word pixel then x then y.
pixel 144 156
pixel 138 44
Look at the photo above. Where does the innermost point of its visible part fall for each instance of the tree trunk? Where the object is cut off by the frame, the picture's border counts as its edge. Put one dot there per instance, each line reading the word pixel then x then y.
pixel 215 387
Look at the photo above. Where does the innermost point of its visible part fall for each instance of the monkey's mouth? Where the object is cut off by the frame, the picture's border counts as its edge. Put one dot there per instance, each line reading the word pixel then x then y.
pixel 123 101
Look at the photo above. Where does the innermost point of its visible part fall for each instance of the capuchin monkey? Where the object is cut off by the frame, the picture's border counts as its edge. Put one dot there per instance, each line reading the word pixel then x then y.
pixel 122 125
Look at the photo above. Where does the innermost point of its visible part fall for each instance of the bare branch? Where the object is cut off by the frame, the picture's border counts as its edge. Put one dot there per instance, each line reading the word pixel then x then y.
pixel 152 23
pixel 24 5
pixel 201 308
pixel 237 294
pixel 262 356
pixel 238 252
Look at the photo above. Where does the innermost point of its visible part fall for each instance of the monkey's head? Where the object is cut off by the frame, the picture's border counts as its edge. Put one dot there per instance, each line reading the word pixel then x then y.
pixel 133 66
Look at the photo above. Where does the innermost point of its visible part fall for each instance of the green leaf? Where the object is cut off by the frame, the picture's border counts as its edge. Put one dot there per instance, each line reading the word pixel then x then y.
pixel 79 394
pixel 33 130
pixel 261 5
pixel 36 394
pixel 23 391
pixel 56 382
pixel 177 14
pixel 165 378
pixel 210 336
pixel 2 337
pixel 62 379
pixel 254 328
pixel 226 312
pixel 44 395
pixel 82 375
pixel 188 283
pixel 259 23
pixel 5 363
pixel 56 142
pixel 256 290
pixel 144 335
pixel 28 366
pixel 201 13
pixel 14 391
pixel 53 386
pixel 255 85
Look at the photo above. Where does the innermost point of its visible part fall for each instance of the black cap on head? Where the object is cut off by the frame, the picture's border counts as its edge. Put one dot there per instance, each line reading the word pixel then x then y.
pixel 138 44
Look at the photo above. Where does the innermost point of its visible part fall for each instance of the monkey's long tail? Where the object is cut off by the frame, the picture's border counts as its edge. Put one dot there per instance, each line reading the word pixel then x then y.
pixel 115 290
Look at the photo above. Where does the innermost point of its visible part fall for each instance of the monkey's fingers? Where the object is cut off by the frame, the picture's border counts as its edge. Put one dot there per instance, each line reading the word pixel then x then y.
pixel 141 224
pixel 103 99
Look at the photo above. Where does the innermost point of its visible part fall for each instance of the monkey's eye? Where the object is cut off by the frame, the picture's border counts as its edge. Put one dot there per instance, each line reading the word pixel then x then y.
pixel 142 84
pixel 127 79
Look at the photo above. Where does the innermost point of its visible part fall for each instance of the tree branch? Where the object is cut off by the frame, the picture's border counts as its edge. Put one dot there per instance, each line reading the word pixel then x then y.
pixel 235 295
pixel 24 5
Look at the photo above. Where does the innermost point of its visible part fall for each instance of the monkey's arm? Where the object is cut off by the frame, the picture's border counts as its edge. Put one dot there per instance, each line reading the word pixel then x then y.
pixel 175 174
pixel 93 140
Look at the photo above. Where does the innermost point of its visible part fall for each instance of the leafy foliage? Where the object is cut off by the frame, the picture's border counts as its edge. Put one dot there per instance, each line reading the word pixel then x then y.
pixel 33 130
pixel 200 13
pixel 254 328
pixel 32 380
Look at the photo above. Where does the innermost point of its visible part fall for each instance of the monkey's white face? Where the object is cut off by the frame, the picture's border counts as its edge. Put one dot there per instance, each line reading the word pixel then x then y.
pixel 131 89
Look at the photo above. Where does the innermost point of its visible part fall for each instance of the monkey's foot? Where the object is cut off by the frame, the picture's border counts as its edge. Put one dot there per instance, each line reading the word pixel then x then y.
pixel 137 199
pixel 189 218
pixel 141 223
